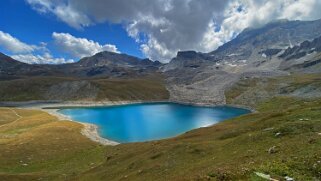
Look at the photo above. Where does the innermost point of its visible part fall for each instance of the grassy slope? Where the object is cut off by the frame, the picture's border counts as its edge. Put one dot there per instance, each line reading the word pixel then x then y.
pixel 36 88
pixel 230 150
pixel 37 145
pixel 135 89
pixel 250 92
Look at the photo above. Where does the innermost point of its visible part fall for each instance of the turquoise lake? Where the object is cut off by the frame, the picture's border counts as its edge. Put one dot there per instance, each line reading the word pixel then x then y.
pixel 144 122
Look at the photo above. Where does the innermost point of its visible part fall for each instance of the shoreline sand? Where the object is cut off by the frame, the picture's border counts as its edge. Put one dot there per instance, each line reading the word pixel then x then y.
pixel 89 130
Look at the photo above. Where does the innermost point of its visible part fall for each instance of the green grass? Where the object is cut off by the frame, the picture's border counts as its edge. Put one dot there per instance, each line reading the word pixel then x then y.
pixel 231 150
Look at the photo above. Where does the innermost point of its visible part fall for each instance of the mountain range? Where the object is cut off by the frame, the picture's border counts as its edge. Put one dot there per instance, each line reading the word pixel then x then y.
pixel 276 49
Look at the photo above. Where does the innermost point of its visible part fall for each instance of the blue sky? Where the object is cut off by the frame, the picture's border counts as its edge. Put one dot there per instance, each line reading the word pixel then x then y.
pixel 20 21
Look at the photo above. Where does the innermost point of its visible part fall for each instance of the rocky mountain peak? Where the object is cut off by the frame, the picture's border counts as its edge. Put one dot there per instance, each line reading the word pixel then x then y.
pixel 303 49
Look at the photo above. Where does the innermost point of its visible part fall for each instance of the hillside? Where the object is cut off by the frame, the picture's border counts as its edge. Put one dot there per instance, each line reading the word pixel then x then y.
pixel 235 149
pixel 253 91
pixel 75 89
pixel 36 145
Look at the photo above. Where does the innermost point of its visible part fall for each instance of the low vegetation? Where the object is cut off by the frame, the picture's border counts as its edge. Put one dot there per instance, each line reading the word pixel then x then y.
pixel 74 89
pixel 35 145
pixel 283 138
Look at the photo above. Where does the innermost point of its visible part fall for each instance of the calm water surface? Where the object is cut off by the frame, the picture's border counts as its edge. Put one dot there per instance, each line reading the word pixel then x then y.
pixel 143 122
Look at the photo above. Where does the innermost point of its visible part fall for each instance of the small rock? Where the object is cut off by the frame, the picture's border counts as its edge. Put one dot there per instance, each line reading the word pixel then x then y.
pixel 278 134
pixel 268 129
pixel 262 175
pixel 273 150
pixel 287 178
pixel 25 164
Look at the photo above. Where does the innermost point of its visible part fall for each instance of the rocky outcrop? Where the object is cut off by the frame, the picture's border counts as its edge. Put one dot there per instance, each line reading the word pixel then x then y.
pixel 186 59
pixel 303 49
pixel 72 90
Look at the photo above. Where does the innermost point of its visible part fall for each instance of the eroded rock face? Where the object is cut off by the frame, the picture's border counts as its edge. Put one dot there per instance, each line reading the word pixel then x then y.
pixel 72 90
pixel 306 47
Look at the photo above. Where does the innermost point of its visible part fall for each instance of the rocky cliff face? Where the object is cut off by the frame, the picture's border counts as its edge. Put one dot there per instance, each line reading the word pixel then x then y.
pixel 305 57
pixel 303 49
pixel 186 59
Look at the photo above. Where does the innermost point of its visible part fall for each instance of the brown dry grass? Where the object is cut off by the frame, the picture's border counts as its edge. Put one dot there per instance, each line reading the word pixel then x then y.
pixel 39 145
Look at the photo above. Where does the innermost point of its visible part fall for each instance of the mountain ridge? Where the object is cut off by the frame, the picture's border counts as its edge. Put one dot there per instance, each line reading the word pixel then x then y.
pixel 202 78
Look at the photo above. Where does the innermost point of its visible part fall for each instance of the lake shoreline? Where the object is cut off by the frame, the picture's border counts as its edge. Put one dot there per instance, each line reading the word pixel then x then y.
pixel 91 130
pixel 79 104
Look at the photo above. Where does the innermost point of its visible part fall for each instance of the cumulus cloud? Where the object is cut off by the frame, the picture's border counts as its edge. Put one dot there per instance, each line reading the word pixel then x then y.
pixel 30 54
pixel 80 47
pixel 64 12
pixel 163 27
pixel 14 45
pixel 41 59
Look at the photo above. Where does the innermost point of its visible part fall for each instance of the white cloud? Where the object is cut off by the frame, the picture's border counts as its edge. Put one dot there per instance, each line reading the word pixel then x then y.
pixel 241 14
pixel 64 12
pixel 40 59
pixel 30 54
pixel 80 47
pixel 173 25
pixel 14 45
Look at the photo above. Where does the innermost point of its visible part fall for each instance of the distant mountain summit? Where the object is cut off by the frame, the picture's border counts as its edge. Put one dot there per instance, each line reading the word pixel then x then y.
pixel 253 45
pixel 279 34
pixel 112 64
pixel 9 66
pixel 8 62
pixel 105 64
pixel 113 59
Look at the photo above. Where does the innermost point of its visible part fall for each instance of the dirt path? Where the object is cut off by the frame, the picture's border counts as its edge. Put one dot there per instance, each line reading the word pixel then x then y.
pixel 15 113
